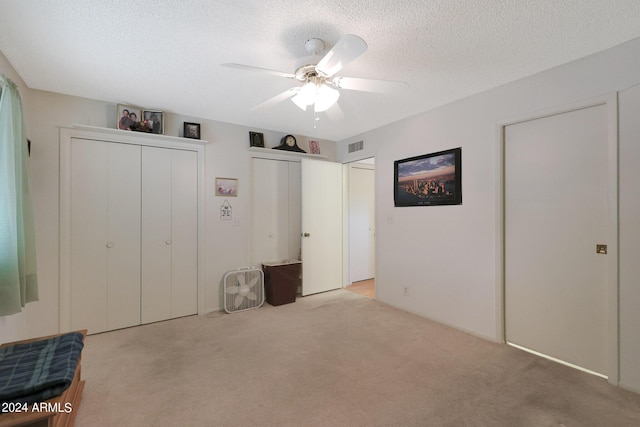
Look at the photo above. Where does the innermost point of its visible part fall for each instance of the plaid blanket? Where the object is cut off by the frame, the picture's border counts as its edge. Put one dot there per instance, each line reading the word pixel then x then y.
pixel 39 370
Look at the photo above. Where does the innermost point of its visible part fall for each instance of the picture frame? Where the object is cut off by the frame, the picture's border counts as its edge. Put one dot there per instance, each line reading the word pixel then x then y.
pixel 153 121
pixel 314 147
pixel 256 139
pixel 191 130
pixel 227 187
pixel 130 120
pixel 429 180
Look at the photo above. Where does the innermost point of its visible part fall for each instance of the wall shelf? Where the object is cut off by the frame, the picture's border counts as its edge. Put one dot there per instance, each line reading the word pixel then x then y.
pixel 142 136
pixel 271 153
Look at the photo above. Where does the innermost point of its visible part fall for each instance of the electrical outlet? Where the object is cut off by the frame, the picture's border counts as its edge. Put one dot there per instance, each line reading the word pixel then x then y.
pixel 405 291
pixel 390 219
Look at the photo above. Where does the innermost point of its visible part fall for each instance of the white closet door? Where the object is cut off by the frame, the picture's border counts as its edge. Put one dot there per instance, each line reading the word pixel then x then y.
pixel 156 234
pixel 169 234
pixel 272 211
pixel 279 210
pixel 261 211
pixel 556 211
pixel 295 209
pixel 184 233
pixel 88 274
pixel 105 248
pixel 123 300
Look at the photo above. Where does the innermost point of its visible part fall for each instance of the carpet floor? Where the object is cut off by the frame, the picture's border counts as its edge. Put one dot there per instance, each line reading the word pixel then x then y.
pixel 332 359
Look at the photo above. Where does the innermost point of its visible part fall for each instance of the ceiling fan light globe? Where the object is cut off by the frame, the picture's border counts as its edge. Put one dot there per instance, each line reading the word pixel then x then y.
pixel 326 97
pixel 306 96
pixel 308 93
pixel 299 103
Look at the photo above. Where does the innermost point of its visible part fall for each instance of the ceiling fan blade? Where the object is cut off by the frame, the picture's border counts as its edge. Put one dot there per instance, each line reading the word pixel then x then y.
pixel 261 70
pixel 369 85
pixel 348 48
pixel 278 98
pixel 335 112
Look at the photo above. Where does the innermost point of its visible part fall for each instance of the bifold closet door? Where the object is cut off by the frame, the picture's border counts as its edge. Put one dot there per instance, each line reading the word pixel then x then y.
pixel 184 233
pixel 295 209
pixel 105 235
pixel 169 234
pixel 270 211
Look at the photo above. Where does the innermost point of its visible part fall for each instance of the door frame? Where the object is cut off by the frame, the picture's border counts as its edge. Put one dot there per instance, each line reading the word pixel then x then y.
pixel 610 101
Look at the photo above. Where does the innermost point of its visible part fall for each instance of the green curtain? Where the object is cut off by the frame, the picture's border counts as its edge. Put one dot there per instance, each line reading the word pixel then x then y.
pixel 18 282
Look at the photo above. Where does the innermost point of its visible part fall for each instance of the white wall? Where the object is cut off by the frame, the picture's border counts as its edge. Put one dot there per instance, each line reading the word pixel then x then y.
pixel 447 255
pixel 227 246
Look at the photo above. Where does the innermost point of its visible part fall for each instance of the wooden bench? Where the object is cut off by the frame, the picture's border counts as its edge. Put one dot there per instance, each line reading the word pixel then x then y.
pixel 64 407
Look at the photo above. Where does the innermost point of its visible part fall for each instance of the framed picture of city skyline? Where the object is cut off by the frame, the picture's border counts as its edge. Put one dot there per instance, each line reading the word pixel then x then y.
pixel 429 180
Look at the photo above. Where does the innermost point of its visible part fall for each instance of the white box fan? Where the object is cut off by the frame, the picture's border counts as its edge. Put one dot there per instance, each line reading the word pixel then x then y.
pixel 243 289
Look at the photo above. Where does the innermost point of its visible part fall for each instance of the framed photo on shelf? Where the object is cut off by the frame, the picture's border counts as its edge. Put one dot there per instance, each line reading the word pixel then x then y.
pixel 429 179
pixel 256 139
pixel 153 120
pixel 128 117
pixel 226 187
pixel 191 130
pixel 314 147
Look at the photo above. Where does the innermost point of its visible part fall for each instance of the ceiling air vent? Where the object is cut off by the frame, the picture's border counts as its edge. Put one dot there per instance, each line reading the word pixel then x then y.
pixel 356 146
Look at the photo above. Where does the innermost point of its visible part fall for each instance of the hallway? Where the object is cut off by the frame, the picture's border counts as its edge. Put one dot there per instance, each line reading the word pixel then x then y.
pixel 363 287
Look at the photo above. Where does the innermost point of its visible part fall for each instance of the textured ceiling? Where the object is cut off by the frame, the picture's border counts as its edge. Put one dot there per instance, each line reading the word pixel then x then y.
pixel 166 54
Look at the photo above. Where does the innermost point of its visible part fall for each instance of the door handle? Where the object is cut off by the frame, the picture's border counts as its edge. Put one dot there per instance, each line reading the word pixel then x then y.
pixel 109 245
pixel 306 234
pixel 167 242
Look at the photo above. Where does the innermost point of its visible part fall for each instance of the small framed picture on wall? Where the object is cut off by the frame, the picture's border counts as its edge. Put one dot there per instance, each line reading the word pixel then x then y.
pixel 226 187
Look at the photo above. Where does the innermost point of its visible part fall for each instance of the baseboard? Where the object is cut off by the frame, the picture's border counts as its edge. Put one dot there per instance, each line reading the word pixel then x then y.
pixel 466 331
pixel 628 387
pixel 213 311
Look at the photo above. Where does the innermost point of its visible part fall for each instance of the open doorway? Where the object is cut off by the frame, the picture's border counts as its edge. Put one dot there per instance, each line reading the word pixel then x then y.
pixel 360 226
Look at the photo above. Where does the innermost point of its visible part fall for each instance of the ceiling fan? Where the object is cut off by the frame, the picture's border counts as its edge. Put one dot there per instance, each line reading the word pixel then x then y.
pixel 320 84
